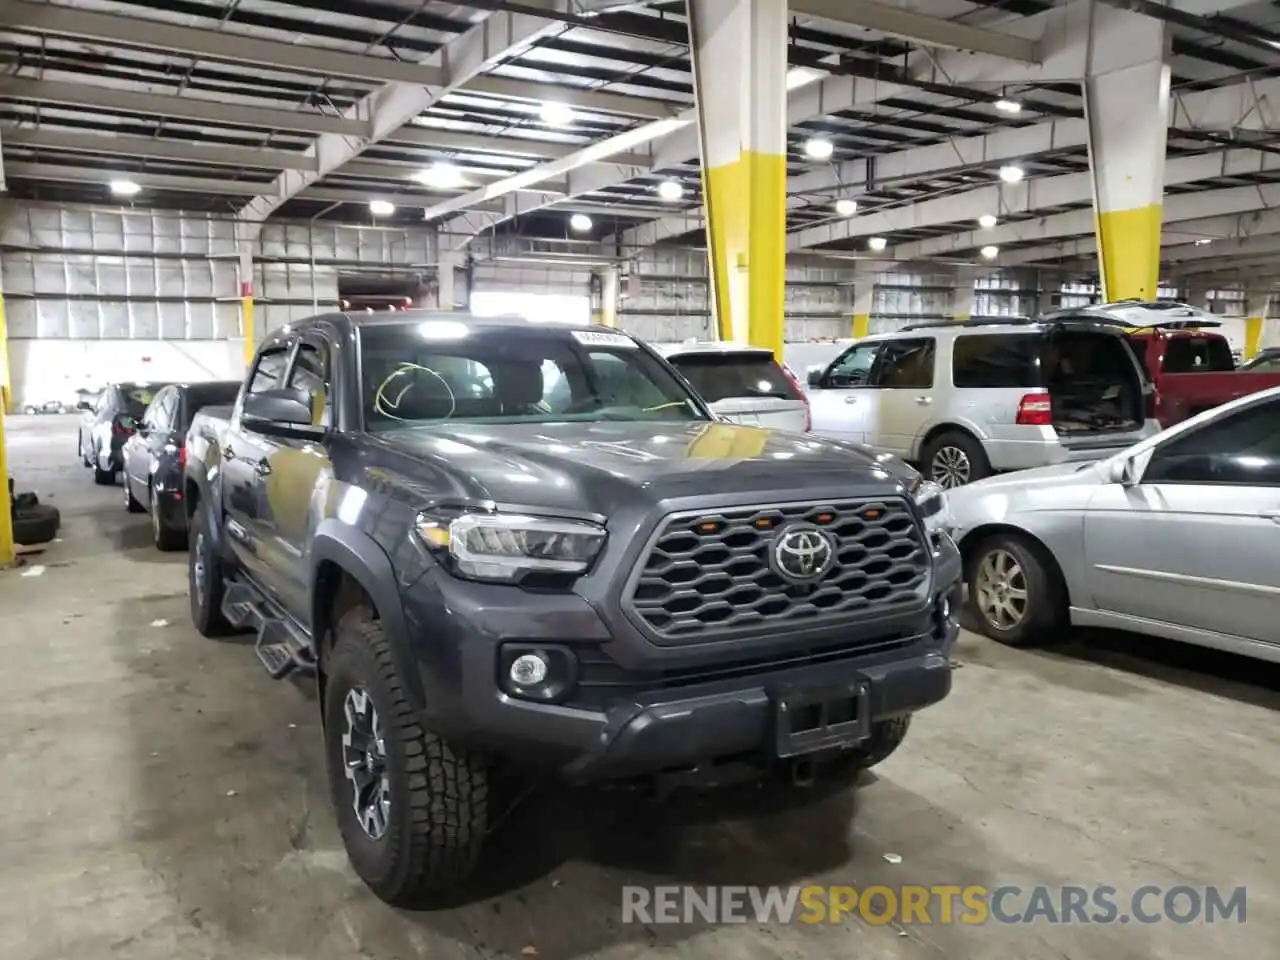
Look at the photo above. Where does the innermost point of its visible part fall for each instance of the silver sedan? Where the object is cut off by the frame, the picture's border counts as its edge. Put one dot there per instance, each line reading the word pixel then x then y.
pixel 1176 537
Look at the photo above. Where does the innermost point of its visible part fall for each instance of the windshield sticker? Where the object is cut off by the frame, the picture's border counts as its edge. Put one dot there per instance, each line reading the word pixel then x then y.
pixel 592 338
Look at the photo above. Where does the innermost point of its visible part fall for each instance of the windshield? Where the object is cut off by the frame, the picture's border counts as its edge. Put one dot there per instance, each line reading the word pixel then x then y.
pixel 442 370
pixel 722 376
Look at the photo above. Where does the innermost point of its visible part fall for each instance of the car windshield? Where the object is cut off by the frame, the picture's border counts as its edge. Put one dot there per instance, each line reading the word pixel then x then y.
pixel 722 376
pixel 445 370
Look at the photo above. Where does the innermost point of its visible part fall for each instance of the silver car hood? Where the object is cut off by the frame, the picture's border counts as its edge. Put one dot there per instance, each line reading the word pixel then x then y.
pixel 1056 488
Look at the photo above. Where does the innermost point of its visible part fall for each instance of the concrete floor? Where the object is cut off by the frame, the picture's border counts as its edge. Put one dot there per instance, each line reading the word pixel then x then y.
pixel 163 798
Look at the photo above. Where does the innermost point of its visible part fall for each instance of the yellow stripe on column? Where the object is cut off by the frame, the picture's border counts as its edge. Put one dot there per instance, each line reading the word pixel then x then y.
pixel 861 325
pixel 1252 336
pixel 247 331
pixel 746 238
pixel 1129 253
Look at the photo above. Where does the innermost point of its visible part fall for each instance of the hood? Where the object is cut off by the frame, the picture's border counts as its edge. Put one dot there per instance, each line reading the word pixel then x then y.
pixel 600 467
pixel 1055 474
pixel 1062 486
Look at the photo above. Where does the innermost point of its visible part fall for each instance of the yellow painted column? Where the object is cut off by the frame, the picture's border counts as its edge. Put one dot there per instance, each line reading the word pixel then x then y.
pixel 6 391
pixel 609 290
pixel 864 298
pixel 1126 98
pixel 247 329
pixel 1254 322
pixel 740 81
pixel 6 375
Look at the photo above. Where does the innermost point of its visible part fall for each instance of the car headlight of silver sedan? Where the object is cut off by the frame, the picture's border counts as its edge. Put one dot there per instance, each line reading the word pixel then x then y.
pixel 933 504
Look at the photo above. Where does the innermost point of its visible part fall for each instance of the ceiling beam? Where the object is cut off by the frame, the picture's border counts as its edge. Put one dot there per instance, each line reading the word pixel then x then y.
pixel 495 38
pixel 209 42
pixel 172 106
pixel 119 146
pixel 929 31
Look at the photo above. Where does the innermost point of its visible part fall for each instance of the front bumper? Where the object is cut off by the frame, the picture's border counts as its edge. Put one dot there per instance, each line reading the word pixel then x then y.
pixel 634 708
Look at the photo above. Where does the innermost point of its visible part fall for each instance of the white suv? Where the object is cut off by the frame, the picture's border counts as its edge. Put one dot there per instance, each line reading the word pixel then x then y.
pixel 965 400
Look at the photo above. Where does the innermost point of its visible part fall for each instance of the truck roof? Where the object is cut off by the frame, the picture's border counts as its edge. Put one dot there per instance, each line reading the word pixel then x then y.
pixel 359 319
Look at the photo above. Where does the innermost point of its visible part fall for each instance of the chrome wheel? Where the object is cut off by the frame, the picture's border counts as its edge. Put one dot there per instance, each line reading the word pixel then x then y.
pixel 950 468
pixel 1002 590
pixel 198 570
pixel 364 754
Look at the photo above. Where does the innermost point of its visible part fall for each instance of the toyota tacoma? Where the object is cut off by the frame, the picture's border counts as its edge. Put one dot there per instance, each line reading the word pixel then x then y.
pixel 502 545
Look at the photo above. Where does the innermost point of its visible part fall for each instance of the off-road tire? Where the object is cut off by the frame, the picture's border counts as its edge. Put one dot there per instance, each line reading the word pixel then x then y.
pixel 165 537
pixel 439 793
pixel 206 598
pixel 131 503
pixel 979 465
pixel 35 525
pixel 1046 616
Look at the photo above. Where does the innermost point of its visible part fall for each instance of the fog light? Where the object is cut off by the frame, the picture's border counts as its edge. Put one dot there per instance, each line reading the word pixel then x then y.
pixel 528 670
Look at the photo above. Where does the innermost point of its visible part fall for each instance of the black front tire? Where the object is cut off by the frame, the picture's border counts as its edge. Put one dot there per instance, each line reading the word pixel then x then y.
pixel 206 586
pixel 131 503
pixel 439 794
pixel 1044 615
pixel 941 456
pixel 166 538
pixel 103 478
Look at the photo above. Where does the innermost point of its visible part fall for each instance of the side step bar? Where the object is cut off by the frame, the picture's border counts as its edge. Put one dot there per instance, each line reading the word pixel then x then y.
pixel 281 646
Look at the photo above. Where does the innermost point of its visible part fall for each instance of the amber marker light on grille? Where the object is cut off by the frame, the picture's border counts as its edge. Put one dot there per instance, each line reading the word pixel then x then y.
pixel 872 514
pixel 764 523
pixel 824 518
pixel 708 526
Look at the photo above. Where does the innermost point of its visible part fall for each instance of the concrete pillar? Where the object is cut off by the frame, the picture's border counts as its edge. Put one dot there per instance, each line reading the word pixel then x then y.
pixel 6 407
pixel 446 291
pixel 1257 303
pixel 6 374
pixel 1126 98
pixel 739 50
pixel 962 295
pixel 1198 295
pixel 864 298
pixel 610 281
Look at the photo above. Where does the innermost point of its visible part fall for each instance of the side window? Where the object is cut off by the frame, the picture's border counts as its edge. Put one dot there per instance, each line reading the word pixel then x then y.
pixel 622 384
pixel 160 414
pixel 266 375
pixel 1240 449
pixel 906 363
pixel 853 367
pixel 996 360
pixel 311 373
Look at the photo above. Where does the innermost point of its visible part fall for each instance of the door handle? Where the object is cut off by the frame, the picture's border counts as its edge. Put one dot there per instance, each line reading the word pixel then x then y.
pixel 1272 515
pixel 924 401
pixel 850 399
pixel 228 453
pixel 262 468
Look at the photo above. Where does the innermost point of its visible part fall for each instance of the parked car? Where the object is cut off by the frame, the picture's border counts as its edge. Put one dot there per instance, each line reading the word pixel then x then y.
pixel 111 421
pixel 46 407
pixel 1192 366
pixel 154 457
pixel 605 583
pixel 742 384
pixel 1266 360
pixel 1174 537
pixel 965 400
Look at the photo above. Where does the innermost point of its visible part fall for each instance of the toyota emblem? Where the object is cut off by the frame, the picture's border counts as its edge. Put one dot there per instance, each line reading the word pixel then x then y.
pixel 803 554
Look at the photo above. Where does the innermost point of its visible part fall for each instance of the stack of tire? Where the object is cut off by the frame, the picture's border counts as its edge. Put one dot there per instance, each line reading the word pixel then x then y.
pixel 33 522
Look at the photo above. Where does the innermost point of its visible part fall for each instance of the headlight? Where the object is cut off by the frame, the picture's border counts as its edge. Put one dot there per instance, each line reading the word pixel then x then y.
pixel 504 547
pixel 932 501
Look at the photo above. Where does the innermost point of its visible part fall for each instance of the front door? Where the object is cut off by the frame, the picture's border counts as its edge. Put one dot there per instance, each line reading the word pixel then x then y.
pixel 1196 543
pixel 841 403
pixel 903 384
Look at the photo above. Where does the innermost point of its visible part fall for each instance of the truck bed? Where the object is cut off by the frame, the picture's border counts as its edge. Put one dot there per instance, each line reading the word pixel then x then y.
pixel 1184 395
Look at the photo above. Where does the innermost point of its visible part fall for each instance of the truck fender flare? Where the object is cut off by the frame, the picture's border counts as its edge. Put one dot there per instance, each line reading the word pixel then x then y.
pixel 364 561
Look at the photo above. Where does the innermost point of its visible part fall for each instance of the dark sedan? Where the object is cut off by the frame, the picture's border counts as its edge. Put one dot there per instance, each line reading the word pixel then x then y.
pixel 156 454
pixel 107 423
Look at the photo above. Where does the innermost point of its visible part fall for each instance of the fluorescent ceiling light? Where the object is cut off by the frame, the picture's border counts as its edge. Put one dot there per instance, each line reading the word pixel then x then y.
pixel 670 190
pixel 381 208
pixel 846 207
pixel 1008 106
pixel 556 114
pixel 991 252
pixel 580 222
pixel 1204 241
pixel 1012 174
pixel 124 188
pixel 987 221
pixel 877 243
pixel 818 149
pixel 441 175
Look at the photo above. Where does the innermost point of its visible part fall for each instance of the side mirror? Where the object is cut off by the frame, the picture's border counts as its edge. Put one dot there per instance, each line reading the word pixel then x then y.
pixel 281 413
pixel 1123 471
pixel 814 376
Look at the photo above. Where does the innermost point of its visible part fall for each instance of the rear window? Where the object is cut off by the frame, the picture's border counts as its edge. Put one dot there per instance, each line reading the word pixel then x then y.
pixel 1197 355
pixel 209 395
pixel 718 376
pixel 996 360
pixel 137 399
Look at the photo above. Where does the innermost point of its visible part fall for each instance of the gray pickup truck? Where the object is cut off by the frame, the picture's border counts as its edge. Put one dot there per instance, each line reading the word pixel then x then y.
pixel 500 543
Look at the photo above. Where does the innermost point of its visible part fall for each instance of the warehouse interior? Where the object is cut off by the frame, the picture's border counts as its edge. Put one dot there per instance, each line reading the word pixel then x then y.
pixel 181 178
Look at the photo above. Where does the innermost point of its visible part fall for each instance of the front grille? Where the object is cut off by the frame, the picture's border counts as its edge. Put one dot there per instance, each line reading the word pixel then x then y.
pixel 710 573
